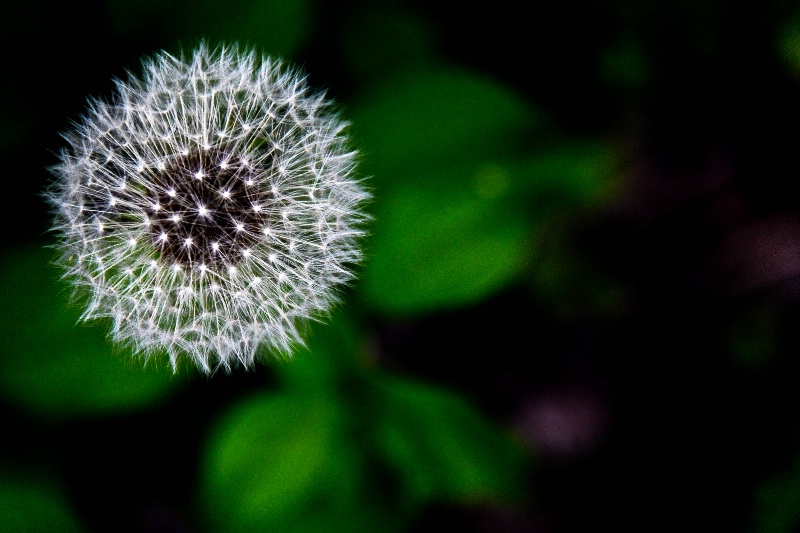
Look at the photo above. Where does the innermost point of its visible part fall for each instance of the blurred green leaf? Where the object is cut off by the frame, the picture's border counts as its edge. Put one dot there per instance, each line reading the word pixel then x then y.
pixel 566 183
pixel 29 508
pixel 51 365
pixel 432 249
pixel 788 43
pixel 442 448
pixel 275 27
pixel 269 459
pixel 569 173
pixel 413 127
pixel 461 171
pixel 777 505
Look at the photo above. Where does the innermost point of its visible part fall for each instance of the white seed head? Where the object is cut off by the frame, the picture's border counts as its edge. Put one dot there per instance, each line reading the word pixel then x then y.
pixel 209 209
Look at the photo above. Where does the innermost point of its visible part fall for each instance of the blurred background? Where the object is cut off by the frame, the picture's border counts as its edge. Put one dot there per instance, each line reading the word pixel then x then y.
pixel 579 309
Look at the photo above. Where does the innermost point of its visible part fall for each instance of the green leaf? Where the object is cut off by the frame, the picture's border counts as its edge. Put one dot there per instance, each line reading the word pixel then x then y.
pixel 462 171
pixel 777 505
pixel 268 458
pixel 445 449
pixel 53 366
pixel 572 173
pixel 433 249
pixel 413 127
pixel 29 508
pixel 788 43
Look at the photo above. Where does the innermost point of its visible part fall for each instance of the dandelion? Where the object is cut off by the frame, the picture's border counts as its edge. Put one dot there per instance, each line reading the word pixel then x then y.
pixel 209 209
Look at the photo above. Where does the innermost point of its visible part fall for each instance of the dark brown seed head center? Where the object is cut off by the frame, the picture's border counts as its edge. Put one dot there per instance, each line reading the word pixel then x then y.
pixel 207 209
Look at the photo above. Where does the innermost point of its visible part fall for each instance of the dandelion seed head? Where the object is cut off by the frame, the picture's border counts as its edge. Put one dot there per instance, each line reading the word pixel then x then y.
pixel 222 165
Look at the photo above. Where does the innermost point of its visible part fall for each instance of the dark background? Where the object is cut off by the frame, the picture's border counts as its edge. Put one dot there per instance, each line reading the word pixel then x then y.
pixel 625 359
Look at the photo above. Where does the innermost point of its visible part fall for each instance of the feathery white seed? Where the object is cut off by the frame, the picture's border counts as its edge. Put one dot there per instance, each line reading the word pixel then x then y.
pixel 222 164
